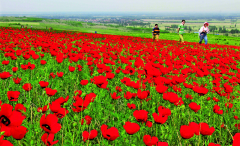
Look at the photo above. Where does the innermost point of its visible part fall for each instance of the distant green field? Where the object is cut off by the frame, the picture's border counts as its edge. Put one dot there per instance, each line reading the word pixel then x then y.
pixel 119 30
pixel 22 23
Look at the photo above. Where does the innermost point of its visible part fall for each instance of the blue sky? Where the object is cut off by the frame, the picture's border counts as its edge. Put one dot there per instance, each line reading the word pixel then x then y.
pixel 119 6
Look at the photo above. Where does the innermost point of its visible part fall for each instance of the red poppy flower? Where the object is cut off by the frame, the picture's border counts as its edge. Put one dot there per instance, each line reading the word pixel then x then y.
pixel 200 90
pixel 90 97
pixel 5 75
pixel 18 132
pixel 205 129
pixel 142 94
pixel 128 95
pixel 14 69
pixel 140 115
pixel 162 143
pixel 60 74
pixel 50 92
pixel 52 75
pixel 131 128
pixel 110 75
pixel 30 66
pixel 164 111
pixel 195 127
pixel 216 109
pixel 161 88
pixel 5 142
pixel 84 82
pixel 61 113
pixel 24 67
pixel 194 106
pixel 27 87
pixel 59 59
pixel 109 134
pixel 118 89
pixel 80 105
pixel 43 62
pixel 149 141
pixel 48 139
pixel 43 84
pixel 5 62
pixel 88 120
pixel 91 136
pixel 9 118
pixel 186 131
pixel 149 124
pixel 17 80
pixel 13 95
pixel 170 96
pixel 43 110
pixel 236 139
pixel 55 106
pixel 114 96
pixel 62 100
pixel 50 123
pixel 160 119
pixel 100 81
pixel 71 69
pixel 131 106
pixel 236 118
pixel 78 92
pixel 20 108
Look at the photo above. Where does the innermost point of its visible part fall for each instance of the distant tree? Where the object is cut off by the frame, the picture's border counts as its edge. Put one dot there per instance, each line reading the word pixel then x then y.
pixel 190 29
pixel 234 31
pixel 220 29
pixel 213 28
pixel 224 29
pixel 174 26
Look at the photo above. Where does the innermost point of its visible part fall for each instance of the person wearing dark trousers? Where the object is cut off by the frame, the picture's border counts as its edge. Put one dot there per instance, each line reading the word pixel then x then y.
pixel 204 30
pixel 155 32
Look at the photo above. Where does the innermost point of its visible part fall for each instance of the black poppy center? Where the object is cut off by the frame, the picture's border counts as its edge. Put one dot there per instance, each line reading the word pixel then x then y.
pixel 99 85
pixel 46 126
pixel 4 120
pixel 11 98
pixel 60 115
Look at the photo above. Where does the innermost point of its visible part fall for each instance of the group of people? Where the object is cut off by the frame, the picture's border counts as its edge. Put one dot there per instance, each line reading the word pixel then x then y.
pixel 204 30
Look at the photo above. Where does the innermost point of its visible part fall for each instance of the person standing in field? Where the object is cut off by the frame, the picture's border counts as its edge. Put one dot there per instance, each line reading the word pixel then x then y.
pixel 204 30
pixel 181 31
pixel 155 32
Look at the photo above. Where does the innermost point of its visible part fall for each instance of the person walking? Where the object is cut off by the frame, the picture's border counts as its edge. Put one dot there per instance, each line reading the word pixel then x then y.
pixel 155 32
pixel 181 31
pixel 204 30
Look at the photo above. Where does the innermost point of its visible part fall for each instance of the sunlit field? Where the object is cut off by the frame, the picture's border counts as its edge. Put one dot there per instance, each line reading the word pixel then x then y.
pixel 72 89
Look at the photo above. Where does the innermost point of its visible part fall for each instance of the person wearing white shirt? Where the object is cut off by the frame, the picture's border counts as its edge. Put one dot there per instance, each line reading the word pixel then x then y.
pixel 204 30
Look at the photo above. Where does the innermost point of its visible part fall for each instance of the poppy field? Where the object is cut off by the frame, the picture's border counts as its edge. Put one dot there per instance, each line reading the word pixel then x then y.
pixel 72 89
